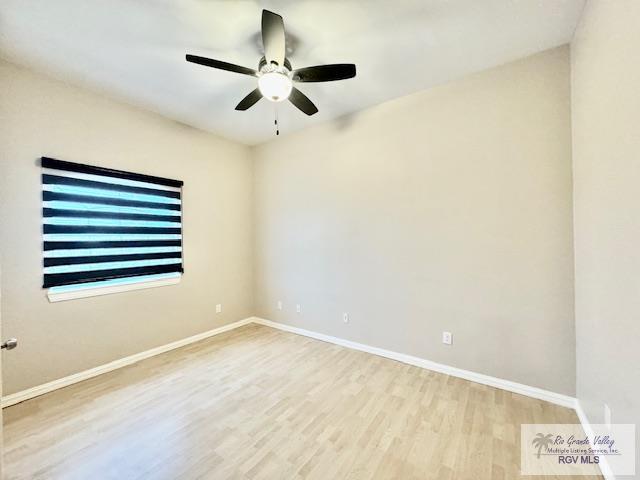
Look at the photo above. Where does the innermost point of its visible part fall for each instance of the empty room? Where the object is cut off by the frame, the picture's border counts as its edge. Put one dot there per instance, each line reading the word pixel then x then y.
pixel 319 239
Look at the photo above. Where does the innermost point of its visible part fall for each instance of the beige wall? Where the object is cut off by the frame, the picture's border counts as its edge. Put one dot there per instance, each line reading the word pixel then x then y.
pixel 39 116
pixel 606 146
pixel 447 210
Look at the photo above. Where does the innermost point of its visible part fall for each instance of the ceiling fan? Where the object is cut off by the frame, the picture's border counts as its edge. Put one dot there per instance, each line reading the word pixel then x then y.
pixel 275 75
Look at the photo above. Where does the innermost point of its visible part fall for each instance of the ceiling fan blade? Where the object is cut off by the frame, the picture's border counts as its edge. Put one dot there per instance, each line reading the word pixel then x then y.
pixel 325 73
pixel 301 101
pixel 230 67
pixel 250 100
pixel 273 38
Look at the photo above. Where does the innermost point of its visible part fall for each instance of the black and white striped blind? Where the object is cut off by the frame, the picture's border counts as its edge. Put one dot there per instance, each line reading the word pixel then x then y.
pixel 102 224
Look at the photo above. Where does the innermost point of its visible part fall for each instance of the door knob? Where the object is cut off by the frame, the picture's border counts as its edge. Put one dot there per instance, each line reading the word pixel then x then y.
pixel 10 344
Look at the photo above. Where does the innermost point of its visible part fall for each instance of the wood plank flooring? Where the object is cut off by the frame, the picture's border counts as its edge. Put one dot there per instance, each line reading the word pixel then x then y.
pixel 258 403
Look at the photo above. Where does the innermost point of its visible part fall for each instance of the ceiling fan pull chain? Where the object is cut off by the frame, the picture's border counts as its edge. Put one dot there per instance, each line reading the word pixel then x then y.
pixel 276 120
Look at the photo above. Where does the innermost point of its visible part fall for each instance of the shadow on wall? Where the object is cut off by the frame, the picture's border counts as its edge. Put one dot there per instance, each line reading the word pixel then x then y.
pixel 344 122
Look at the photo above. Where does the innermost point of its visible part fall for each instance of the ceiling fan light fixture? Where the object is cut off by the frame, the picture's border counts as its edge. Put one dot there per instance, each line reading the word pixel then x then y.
pixel 275 86
pixel 275 74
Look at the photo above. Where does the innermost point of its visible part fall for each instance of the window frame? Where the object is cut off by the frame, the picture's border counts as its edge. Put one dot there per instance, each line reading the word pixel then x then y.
pixel 106 285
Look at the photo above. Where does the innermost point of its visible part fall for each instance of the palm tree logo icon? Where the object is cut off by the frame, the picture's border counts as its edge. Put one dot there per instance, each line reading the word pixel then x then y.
pixel 542 441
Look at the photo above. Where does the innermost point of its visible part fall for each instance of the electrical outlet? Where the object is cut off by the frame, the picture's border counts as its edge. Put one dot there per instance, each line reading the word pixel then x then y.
pixel 345 317
pixel 219 308
pixel 607 416
pixel 447 338
pixel 298 307
pixel 279 304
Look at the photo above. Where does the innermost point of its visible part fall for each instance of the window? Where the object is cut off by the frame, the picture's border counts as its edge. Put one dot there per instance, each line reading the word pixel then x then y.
pixel 108 229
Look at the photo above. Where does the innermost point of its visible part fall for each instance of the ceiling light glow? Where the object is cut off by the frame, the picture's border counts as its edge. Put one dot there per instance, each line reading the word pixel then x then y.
pixel 275 86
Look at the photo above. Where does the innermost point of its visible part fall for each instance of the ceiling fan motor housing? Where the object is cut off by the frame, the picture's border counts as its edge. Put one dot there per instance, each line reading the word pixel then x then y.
pixel 263 62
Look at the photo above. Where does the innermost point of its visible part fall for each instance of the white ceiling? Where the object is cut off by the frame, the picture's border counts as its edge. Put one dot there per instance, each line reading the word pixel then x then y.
pixel 134 50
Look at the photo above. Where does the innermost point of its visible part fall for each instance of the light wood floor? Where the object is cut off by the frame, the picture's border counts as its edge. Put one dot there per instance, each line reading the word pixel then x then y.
pixel 258 403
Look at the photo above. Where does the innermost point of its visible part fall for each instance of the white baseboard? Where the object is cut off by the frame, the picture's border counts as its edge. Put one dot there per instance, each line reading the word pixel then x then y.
pixel 522 389
pixel 108 367
pixel 534 392
pixel 607 473
pixel 510 386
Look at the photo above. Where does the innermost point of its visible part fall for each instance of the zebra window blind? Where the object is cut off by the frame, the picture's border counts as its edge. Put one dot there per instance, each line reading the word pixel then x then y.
pixel 103 226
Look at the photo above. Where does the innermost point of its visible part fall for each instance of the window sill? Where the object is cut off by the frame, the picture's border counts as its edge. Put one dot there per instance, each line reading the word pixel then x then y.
pixel 94 291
